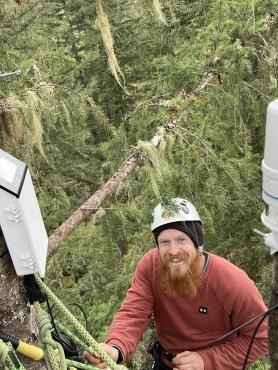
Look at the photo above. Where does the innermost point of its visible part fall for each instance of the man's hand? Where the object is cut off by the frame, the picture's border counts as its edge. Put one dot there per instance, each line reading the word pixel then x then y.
pixel 97 361
pixel 188 361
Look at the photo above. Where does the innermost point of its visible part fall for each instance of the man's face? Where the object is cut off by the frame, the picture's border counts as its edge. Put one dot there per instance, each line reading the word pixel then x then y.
pixel 176 250
pixel 179 267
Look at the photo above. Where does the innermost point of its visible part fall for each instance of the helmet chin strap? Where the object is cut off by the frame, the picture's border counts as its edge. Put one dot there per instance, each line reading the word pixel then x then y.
pixel 200 249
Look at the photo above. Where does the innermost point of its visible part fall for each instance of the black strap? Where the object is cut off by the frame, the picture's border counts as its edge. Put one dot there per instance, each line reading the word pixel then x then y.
pixel 158 353
pixel 168 355
pixel 33 291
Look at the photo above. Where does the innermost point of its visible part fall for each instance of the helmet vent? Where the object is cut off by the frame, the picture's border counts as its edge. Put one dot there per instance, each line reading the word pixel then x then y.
pixel 185 209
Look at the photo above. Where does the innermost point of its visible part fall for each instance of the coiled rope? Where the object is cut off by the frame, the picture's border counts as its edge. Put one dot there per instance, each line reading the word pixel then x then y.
pixel 50 346
pixel 93 345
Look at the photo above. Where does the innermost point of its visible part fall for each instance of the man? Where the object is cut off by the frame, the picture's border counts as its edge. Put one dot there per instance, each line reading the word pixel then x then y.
pixel 195 298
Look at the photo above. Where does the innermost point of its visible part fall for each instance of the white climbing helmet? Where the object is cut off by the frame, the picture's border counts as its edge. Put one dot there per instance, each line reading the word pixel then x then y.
pixel 185 212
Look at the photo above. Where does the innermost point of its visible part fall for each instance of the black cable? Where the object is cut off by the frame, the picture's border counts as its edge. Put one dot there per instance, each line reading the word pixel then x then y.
pixel 69 347
pixel 255 332
pixel 57 334
pixel 52 318
pixel 252 340
pixel 83 311
pixel 237 329
pixel 9 338
pixel 262 316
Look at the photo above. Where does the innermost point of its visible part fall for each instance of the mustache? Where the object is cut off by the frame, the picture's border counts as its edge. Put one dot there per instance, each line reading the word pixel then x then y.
pixel 175 282
pixel 182 256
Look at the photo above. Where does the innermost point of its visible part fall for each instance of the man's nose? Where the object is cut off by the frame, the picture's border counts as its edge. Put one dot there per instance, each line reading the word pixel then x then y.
pixel 173 248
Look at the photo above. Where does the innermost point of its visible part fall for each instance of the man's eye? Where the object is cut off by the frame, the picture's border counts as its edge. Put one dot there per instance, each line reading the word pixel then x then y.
pixel 181 240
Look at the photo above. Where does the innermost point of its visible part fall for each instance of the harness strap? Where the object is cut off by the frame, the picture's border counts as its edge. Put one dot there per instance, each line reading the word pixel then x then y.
pixel 169 356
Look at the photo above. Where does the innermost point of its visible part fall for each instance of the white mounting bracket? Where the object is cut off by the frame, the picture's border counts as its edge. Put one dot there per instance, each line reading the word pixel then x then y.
pixel 270 240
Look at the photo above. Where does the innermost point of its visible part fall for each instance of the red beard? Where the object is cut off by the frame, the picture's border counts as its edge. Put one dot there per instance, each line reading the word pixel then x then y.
pixel 179 281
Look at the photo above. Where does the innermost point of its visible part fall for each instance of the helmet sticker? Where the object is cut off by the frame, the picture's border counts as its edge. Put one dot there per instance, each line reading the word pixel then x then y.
pixel 166 215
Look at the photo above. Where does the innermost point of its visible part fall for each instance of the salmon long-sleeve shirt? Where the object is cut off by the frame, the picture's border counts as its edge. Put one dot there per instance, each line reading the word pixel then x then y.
pixel 226 299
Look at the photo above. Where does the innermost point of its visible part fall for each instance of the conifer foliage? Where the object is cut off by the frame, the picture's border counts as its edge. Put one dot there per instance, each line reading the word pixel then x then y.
pixel 210 66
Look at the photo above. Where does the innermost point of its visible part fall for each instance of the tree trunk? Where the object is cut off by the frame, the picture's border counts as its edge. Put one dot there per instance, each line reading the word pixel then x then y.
pixel 273 316
pixel 14 310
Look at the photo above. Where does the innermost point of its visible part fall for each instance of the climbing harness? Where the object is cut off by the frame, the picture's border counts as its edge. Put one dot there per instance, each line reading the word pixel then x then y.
pixel 158 352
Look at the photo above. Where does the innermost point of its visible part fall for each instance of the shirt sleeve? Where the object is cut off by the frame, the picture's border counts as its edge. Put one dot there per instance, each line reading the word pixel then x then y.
pixel 231 353
pixel 135 312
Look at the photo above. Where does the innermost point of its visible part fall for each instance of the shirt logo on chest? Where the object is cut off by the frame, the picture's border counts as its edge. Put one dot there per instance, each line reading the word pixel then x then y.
pixel 203 309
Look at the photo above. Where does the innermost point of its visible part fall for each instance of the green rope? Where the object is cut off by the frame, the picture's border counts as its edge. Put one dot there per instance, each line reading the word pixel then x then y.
pixel 80 365
pixel 50 346
pixel 8 357
pixel 4 350
pixel 94 347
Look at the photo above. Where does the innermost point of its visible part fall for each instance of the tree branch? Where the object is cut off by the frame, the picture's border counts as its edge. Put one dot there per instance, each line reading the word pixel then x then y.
pixel 92 204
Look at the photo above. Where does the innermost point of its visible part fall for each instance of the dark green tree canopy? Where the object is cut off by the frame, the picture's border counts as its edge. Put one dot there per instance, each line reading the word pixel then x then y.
pixel 96 81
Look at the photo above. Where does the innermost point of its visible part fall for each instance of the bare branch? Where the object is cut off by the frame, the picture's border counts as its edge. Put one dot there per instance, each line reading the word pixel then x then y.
pixel 93 203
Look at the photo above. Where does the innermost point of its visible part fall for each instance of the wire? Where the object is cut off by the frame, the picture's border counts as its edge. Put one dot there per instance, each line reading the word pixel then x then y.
pixel 65 340
pixel 52 318
pixel 255 332
pixel 252 340
pixel 83 311
pixel 237 329
pixel 262 316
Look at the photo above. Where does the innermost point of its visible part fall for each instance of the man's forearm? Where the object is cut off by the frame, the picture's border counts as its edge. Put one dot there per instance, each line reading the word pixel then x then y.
pixel 231 354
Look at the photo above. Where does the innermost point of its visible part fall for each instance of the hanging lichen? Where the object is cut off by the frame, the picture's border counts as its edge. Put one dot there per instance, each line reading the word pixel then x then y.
pixel 158 12
pixel 11 119
pixel 33 121
pixel 156 164
pixel 104 27
pixel 21 123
